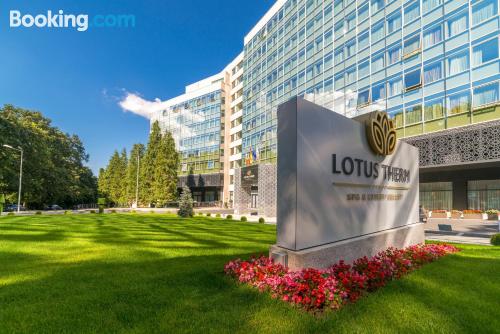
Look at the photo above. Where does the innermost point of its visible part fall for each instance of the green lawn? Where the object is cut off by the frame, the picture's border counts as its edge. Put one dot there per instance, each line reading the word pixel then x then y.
pixel 155 273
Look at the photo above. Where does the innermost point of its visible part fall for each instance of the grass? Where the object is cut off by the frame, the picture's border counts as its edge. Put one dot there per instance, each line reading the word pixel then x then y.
pixel 161 274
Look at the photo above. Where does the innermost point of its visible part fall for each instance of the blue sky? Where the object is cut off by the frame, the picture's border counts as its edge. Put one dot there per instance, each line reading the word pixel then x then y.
pixel 78 78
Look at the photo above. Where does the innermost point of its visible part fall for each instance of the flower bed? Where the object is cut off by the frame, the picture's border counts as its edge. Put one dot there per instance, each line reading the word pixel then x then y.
pixel 473 214
pixel 315 290
pixel 438 214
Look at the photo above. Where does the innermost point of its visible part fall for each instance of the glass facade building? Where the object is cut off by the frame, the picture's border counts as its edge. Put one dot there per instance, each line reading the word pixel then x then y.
pixel 431 64
pixel 195 125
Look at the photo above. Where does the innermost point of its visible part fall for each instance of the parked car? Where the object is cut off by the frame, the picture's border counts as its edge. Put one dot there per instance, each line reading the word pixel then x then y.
pixel 53 207
pixel 13 208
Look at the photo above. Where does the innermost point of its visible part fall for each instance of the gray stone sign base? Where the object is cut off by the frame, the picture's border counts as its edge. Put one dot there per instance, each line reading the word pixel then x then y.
pixel 349 250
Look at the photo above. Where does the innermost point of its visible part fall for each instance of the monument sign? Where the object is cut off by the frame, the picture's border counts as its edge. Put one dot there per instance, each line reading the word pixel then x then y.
pixel 346 189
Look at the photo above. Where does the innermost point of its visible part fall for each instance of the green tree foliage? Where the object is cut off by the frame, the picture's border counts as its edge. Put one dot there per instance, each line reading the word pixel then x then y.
pixel 149 165
pixel 164 186
pixel 157 172
pixel 186 203
pixel 112 180
pixel 54 162
pixel 136 153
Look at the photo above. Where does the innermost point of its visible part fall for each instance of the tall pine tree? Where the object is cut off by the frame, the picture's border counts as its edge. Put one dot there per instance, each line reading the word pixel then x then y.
pixel 172 166
pixel 165 176
pixel 136 153
pixel 148 162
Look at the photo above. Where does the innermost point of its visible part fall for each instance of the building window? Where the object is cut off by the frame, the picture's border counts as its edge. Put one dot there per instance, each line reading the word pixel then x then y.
pixel 363 98
pixel 339 29
pixel 484 10
pixel 364 69
pixel 483 194
pixel 433 36
pixel 328 37
pixel 351 48
pixel 363 41
pixel 351 21
pixel 428 5
pixel 350 75
pixel 485 52
pixel 363 13
pixel 413 114
pixel 378 92
pixel 434 110
pixel 458 63
pixel 328 61
pixel 377 63
pixel 339 81
pixel 487 94
pixel 377 5
pixel 394 55
pixel 412 12
pixel 413 79
pixel 394 23
pixel 397 117
pixel 411 46
pixel 436 195
pixel 458 103
pixel 433 72
pixel 339 55
pixel 338 6
pixel 395 87
pixel 457 24
pixel 377 32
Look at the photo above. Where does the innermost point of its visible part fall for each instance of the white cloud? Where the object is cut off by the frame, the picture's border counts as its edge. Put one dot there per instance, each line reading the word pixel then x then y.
pixel 136 104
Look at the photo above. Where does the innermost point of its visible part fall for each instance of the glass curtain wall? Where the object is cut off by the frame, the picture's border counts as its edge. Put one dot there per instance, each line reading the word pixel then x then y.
pixel 436 195
pixel 483 194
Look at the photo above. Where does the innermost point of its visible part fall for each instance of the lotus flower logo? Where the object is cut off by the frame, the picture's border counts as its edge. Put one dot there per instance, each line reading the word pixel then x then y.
pixel 381 134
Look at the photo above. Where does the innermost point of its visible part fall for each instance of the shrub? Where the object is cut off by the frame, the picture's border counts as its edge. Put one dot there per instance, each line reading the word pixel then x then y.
pixel 243 218
pixel 262 220
pixel 495 239
pixel 10 214
pixel 152 211
pixel 113 211
pixel 229 217
pixel 217 215
pixel 38 213
pixel 186 203
pixel 200 213
pixel 133 211
pixel 491 212
pixel 92 211
pixel 209 214
pixel 67 212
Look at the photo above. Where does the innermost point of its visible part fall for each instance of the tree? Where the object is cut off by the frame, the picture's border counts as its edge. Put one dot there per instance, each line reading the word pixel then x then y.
pixel 164 184
pixel 136 153
pixel 54 165
pixel 172 166
pixel 149 165
pixel 186 203
pixel 114 179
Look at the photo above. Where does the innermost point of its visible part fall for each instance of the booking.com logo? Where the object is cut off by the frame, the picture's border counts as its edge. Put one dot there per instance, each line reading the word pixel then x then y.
pixel 61 20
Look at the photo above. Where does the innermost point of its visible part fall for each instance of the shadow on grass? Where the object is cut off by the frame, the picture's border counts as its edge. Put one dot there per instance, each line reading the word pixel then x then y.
pixel 133 287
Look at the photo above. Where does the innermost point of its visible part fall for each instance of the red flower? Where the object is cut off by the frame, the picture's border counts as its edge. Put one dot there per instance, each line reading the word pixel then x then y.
pixel 315 289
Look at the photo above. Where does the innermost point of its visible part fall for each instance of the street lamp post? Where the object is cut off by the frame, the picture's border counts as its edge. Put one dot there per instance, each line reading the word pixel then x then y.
pixel 20 175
